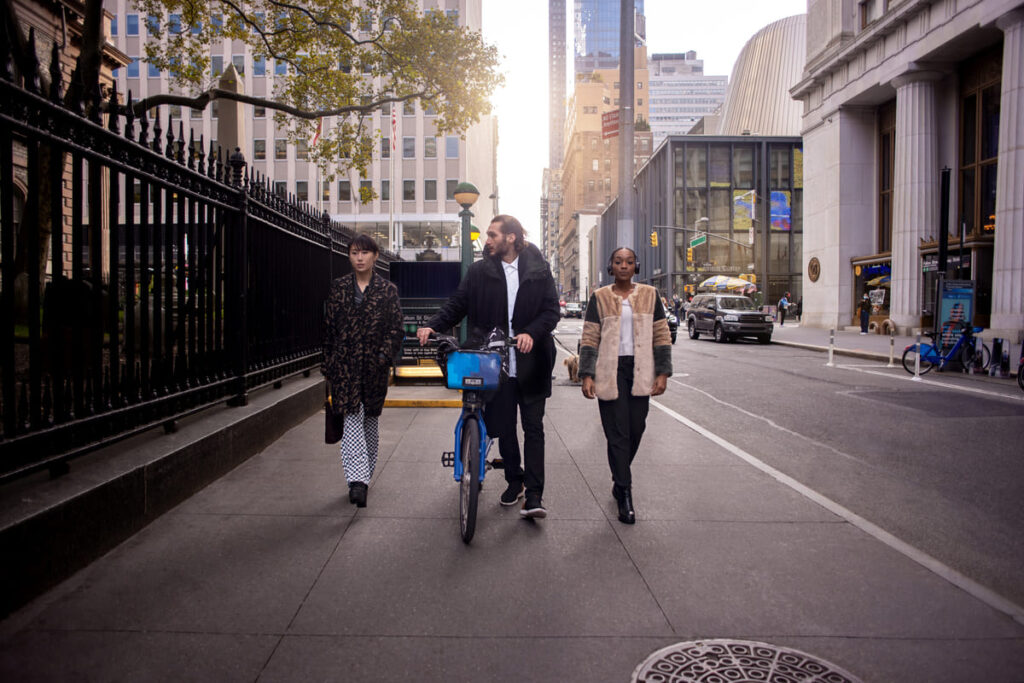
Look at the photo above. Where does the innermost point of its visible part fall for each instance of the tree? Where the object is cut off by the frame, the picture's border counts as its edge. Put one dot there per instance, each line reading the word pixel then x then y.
pixel 341 59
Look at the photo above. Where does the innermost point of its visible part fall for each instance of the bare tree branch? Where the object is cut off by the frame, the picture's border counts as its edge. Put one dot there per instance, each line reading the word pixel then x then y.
pixel 205 98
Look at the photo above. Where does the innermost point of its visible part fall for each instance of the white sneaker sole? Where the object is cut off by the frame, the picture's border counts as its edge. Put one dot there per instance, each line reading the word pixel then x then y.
pixel 514 502
pixel 533 513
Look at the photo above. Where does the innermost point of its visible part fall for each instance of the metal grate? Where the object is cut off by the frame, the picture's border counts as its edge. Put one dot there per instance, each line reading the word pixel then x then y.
pixel 736 661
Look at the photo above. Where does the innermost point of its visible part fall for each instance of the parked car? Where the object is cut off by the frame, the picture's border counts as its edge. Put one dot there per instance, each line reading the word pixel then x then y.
pixel 726 317
pixel 574 309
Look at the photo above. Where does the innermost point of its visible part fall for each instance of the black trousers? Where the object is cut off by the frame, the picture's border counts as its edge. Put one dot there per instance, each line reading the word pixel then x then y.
pixel 624 421
pixel 500 418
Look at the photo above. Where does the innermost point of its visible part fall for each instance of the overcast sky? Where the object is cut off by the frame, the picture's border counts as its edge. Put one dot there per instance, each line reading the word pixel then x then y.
pixel 716 29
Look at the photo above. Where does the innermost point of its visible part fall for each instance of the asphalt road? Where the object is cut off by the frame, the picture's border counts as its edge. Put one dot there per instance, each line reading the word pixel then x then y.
pixel 937 464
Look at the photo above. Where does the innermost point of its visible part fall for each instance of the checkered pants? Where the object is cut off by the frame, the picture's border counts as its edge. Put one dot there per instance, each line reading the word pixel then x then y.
pixel 359 446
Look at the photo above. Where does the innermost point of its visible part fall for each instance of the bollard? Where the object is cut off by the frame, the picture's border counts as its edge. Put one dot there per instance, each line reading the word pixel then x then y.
pixel 831 347
pixel 892 348
pixel 917 359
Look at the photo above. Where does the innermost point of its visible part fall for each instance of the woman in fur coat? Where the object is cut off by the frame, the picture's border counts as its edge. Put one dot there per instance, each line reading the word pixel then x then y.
pixel 625 358
pixel 363 333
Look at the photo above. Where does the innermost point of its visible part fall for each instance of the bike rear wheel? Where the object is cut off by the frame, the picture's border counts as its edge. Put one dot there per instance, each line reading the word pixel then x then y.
pixel 911 354
pixel 469 485
pixel 975 358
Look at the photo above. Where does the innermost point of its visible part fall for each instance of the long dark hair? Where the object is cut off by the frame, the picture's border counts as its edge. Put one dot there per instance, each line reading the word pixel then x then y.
pixel 511 226
pixel 363 242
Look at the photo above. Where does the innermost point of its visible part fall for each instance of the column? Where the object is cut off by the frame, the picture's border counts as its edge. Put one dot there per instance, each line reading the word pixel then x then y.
pixel 915 191
pixel 1008 259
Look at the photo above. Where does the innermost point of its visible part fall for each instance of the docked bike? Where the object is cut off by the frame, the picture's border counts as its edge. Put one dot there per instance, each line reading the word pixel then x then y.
pixel 971 354
pixel 474 371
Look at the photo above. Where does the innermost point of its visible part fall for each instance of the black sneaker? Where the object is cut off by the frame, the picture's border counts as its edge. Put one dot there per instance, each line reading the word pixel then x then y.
pixel 512 494
pixel 532 508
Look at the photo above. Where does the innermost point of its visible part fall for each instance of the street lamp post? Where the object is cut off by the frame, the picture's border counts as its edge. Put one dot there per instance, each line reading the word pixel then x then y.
pixel 466 195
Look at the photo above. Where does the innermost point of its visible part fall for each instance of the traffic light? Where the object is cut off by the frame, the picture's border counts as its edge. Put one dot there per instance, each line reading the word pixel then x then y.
pixel 689 254
pixel 654 238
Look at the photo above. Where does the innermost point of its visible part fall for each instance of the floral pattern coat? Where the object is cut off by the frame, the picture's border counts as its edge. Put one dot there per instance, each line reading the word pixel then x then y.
pixel 360 343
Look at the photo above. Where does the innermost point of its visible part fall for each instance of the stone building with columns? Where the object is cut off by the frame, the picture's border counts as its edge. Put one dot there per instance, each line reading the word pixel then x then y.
pixel 894 91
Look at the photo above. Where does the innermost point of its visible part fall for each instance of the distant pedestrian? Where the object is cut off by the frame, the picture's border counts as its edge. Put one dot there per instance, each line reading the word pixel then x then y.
pixel 783 305
pixel 362 335
pixel 865 313
pixel 798 309
pixel 625 358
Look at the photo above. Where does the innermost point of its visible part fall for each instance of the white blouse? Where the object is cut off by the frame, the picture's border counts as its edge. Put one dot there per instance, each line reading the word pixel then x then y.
pixel 626 329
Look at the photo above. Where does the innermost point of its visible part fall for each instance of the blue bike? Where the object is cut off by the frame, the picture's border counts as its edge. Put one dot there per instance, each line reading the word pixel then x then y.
pixel 474 371
pixel 972 356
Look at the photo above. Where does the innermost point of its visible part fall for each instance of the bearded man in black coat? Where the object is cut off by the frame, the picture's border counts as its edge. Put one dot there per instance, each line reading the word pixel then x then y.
pixel 512 289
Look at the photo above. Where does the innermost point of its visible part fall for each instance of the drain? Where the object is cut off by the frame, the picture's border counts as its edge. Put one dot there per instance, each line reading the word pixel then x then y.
pixel 736 661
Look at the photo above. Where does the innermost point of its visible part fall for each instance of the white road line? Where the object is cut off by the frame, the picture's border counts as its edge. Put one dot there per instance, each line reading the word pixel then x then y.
pixel 906 377
pixel 986 595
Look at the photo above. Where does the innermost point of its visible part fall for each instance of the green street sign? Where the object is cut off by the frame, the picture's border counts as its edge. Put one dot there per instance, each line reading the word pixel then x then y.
pixel 699 240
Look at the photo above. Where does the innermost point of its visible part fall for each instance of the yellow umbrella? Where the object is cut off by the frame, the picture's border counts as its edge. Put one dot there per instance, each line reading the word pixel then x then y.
pixel 723 283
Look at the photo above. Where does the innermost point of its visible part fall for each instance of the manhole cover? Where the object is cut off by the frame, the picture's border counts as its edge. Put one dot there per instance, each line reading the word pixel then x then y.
pixel 736 661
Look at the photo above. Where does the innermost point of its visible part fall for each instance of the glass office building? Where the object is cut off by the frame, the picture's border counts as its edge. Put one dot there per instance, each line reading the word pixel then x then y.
pixel 596 31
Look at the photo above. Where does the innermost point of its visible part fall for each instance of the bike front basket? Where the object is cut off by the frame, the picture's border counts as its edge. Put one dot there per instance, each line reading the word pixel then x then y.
pixel 479 370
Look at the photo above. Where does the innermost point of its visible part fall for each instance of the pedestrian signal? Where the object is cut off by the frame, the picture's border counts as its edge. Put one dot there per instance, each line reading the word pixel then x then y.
pixel 689 254
pixel 654 238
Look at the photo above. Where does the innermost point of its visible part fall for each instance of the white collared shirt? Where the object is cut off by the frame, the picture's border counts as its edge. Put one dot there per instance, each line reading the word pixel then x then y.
pixel 626 329
pixel 512 286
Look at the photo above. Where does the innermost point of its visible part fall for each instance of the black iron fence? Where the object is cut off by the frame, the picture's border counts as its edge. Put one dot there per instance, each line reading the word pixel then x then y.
pixel 144 276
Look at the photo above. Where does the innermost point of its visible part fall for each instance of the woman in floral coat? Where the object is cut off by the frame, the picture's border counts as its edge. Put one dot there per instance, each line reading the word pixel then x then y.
pixel 363 334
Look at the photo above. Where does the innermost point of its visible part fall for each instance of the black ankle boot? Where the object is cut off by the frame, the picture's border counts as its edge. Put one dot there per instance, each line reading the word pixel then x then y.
pixel 616 492
pixel 627 515
pixel 359 489
pixel 352 492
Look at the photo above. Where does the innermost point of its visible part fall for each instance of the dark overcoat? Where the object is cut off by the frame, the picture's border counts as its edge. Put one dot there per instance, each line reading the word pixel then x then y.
pixel 482 298
pixel 360 343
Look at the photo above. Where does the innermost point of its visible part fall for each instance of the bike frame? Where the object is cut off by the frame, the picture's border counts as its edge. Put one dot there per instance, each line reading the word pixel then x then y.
pixel 471 409
pixel 930 353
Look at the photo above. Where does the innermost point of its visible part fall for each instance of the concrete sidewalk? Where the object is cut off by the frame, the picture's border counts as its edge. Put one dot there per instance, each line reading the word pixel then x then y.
pixel 269 574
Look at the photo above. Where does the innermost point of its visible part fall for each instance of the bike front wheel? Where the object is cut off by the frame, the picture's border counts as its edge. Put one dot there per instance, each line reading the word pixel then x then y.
pixel 975 358
pixel 469 485
pixel 911 354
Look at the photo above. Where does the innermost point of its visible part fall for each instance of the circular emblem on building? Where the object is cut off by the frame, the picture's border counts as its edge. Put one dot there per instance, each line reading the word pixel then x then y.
pixel 814 269
pixel 736 660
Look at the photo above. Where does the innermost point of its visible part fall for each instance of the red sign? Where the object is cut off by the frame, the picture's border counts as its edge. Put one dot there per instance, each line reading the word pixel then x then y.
pixel 610 124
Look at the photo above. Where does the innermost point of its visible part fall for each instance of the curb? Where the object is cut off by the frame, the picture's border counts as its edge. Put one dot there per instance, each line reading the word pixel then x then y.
pixel 855 353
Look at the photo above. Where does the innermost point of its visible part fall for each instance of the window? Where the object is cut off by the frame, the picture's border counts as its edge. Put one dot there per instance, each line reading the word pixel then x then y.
pixel 452 14
pixel 595 165
pixel 449 189
pixel 409 190
pixel 385 190
pixel 132 25
pixel 259 148
pixel 302 190
pixel 153 71
pixel 365 21
pixel 302 150
pixel 239 62
pixel 217 65
pixel 152 23
pixel 385 110
pixel 344 190
pixel 696 166
pixel 385 147
pixel 408 108
pixel 743 167
pixel 639 85
pixel 980 82
pixel 778 167
pixel 365 189
pixel 175 111
pixel 280 148
pixel 886 167
pixel 259 112
pixel 113 25
pixel 258 21
pixel 430 148
pixel 174 24
pixel 325 191
pixel 408 148
pixel 259 66
pixel 196 113
pixel 215 109
pixel 132 69
pixel 280 188
pixel 451 147
pixel 430 190
pixel 616 86
pixel 280 67
pixel 429 109
pixel 639 101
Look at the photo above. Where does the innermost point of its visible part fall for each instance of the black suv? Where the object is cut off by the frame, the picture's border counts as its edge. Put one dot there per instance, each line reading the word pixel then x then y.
pixel 727 316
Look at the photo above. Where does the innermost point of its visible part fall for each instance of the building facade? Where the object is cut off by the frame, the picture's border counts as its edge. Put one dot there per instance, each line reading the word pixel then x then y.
pixel 680 93
pixel 427 167
pixel 596 33
pixel 892 93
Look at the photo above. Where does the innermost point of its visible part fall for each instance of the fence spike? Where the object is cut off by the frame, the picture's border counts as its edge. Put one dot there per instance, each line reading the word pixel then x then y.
pixel 31 76
pixel 170 137
pixel 181 140
pixel 211 162
pixel 113 110
pixel 56 76
pixel 96 103
pixel 23 422
pixel 220 164
pixel 129 117
pixel 157 140
pixel 191 147
pixel 47 402
pixel 201 155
